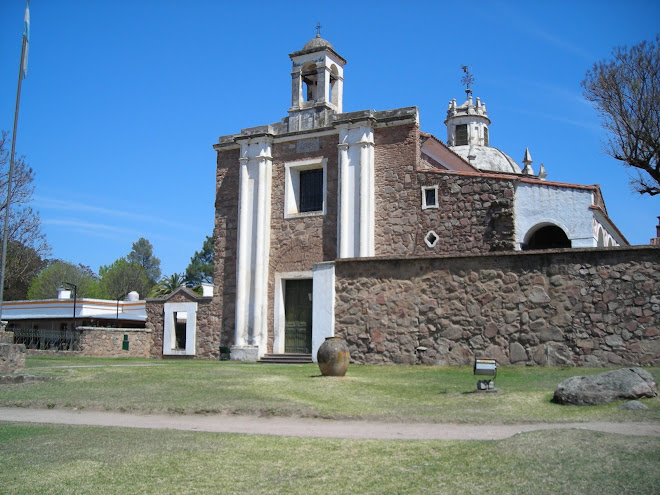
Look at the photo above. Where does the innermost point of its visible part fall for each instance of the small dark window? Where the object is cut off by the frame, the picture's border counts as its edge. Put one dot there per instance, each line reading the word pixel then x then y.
pixel 486 136
pixel 461 135
pixel 311 190
pixel 431 199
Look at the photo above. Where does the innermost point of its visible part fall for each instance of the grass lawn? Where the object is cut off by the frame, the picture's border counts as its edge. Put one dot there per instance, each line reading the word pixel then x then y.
pixel 58 459
pixel 81 460
pixel 387 393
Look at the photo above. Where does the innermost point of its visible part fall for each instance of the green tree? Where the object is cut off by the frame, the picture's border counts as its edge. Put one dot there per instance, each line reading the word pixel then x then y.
pixel 626 92
pixel 167 285
pixel 142 253
pixel 57 274
pixel 122 277
pixel 200 268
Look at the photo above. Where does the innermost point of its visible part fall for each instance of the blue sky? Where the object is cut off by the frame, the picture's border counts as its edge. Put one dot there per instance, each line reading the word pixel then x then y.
pixel 124 99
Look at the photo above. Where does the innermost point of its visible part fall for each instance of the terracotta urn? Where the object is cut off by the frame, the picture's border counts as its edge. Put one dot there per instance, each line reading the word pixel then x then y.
pixel 333 357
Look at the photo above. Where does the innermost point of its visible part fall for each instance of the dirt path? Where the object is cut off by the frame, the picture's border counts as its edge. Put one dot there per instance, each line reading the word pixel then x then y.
pixel 305 427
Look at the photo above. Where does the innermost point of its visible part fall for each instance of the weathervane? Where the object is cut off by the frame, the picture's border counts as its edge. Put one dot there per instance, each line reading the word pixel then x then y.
pixel 468 80
pixel 318 29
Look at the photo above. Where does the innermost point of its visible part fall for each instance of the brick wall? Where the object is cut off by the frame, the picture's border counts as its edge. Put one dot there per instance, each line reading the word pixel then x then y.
pixel 225 237
pixel 397 201
pixel 584 307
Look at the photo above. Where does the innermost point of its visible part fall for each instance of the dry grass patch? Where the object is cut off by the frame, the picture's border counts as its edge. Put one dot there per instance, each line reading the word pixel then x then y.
pixel 82 460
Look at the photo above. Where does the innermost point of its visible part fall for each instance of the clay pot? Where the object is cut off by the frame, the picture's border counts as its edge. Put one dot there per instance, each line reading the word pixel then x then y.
pixel 333 357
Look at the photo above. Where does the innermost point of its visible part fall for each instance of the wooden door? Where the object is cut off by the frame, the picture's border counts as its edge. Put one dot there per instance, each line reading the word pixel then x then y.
pixel 298 316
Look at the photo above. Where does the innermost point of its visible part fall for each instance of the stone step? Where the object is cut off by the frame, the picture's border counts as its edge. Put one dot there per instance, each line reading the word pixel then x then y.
pixel 287 358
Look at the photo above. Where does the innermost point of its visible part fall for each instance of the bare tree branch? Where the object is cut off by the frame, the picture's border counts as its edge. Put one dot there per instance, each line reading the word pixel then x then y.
pixel 26 242
pixel 626 92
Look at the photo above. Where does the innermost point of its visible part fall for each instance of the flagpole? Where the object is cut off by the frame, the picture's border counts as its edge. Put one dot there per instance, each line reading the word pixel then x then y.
pixel 21 75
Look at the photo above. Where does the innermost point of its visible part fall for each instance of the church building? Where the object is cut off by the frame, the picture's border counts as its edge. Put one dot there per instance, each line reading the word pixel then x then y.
pixel 322 185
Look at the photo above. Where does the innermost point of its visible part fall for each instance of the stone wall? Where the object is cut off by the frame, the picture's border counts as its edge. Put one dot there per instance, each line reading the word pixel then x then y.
pixel 584 307
pixel 12 356
pixel 208 335
pixel 474 214
pixel 108 342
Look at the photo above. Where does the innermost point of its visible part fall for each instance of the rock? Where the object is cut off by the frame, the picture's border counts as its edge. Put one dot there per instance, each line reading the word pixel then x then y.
pixel 517 353
pixel 558 355
pixel 627 383
pixel 634 405
pixel 538 295
pixel 459 355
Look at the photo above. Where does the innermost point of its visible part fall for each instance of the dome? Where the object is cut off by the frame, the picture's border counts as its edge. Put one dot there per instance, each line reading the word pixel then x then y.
pixel 133 296
pixel 487 159
pixel 316 43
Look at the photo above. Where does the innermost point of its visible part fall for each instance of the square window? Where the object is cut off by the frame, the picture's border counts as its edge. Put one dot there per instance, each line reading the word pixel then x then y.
pixel 305 188
pixel 429 197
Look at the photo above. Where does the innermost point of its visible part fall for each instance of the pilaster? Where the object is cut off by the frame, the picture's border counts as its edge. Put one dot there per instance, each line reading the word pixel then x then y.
pixel 356 190
pixel 251 331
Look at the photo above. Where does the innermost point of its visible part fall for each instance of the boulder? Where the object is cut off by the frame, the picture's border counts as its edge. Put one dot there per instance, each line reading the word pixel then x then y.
pixel 634 405
pixel 627 383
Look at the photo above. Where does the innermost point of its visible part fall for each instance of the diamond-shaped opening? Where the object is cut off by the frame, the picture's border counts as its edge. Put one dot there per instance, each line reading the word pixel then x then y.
pixel 431 239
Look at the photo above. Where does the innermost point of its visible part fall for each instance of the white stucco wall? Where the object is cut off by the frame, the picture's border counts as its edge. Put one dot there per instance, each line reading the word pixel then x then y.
pixel 323 309
pixel 568 208
pixel 169 329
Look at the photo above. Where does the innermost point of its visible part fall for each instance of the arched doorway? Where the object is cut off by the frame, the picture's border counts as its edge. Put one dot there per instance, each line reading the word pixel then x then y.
pixel 548 237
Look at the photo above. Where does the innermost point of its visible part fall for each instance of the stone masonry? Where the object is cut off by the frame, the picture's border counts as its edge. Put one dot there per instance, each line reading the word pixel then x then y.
pixel 208 335
pixel 475 214
pixel 12 356
pixel 108 342
pixel 580 307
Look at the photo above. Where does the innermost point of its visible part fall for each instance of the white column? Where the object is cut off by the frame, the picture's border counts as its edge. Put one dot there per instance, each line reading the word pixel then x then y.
pixel 371 247
pixel 260 241
pixel 242 256
pixel 343 217
pixel 364 199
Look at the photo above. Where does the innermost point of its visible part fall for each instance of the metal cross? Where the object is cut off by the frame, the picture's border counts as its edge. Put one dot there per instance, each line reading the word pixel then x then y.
pixel 467 79
pixel 318 29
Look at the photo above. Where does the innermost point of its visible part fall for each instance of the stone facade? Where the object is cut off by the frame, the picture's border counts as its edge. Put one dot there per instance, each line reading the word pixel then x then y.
pixel 474 214
pixel 389 190
pixel 558 308
pixel 109 342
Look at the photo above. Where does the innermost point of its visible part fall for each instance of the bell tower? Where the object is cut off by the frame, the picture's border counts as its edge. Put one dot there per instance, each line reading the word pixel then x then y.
pixel 467 124
pixel 317 84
